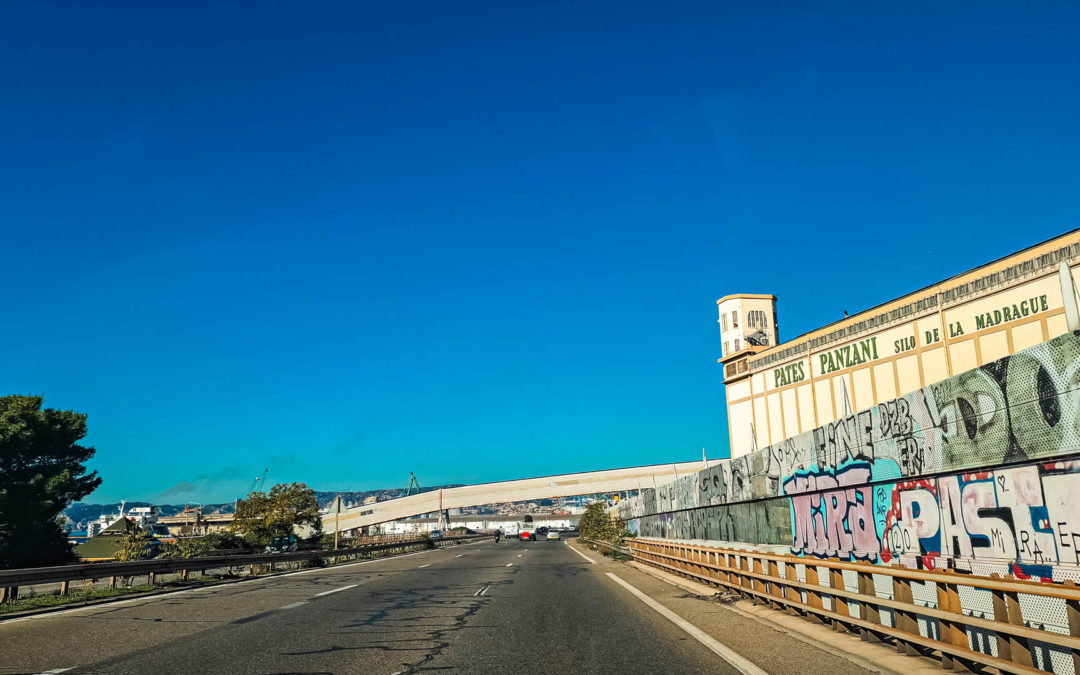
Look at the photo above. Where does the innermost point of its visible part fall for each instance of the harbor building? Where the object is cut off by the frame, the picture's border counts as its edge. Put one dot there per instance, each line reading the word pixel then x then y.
pixel 776 390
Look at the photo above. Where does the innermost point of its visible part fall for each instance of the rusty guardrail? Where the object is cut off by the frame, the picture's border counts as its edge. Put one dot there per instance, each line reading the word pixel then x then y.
pixel 773 579
pixel 11 580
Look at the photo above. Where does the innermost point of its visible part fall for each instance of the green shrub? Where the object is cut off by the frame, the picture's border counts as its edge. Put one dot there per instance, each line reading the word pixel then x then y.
pixel 596 523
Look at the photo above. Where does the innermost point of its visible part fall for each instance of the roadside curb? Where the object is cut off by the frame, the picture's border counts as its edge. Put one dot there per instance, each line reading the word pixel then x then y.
pixel 873 657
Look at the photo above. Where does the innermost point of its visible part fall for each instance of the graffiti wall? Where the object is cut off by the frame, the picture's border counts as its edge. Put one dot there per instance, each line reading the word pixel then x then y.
pixel 972 473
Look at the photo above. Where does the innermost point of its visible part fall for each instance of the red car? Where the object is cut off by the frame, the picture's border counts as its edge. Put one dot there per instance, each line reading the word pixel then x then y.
pixel 526 535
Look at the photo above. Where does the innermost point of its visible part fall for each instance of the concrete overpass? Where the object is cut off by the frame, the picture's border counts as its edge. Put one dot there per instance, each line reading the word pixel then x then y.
pixel 525 489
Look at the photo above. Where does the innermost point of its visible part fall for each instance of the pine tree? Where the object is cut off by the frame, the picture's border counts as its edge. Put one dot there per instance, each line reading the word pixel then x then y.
pixel 42 471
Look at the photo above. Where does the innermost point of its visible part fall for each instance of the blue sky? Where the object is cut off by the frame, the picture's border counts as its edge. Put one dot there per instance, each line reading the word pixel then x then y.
pixel 484 241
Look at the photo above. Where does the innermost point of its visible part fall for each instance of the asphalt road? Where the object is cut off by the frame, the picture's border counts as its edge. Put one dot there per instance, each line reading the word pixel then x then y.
pixel 514 607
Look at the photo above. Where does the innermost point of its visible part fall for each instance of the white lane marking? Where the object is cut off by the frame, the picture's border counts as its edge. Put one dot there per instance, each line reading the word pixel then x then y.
pixel 294 605
pixel 581 554
pixel 486 589
pixel 509 564
pixel 55 671
pixel 459 555
pixel 336 590
pixel 724 652
pixel 423 566
pixel 519 555
pixel 482 590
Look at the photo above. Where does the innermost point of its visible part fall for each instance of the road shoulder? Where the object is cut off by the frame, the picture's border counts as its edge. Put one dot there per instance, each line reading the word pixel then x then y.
pixel 772 639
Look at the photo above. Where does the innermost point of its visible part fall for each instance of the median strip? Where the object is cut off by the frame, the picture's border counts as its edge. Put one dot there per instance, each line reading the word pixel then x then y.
pixel 163 591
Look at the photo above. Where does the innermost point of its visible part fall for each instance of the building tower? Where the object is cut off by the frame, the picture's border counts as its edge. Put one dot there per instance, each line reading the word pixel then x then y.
pixel 746 322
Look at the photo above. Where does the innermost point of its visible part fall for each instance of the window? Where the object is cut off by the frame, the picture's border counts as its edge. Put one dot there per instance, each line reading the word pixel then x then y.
pixel 756 318
pixel 723 322
pixel 727 347
pixel 736 344
pixel 734 319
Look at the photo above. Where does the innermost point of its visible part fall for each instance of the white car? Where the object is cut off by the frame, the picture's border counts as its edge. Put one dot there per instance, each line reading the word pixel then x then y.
pixel 552 534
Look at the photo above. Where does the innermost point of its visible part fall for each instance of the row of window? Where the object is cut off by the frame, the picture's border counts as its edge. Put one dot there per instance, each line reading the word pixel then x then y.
pixel 734 321
pixel 727 346
pixel 755 318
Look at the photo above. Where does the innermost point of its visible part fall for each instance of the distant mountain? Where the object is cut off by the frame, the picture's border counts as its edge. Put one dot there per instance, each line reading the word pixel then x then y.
pixel 80 514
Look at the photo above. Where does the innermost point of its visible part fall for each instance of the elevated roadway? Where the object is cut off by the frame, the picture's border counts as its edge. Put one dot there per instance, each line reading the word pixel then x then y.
pixel 525 489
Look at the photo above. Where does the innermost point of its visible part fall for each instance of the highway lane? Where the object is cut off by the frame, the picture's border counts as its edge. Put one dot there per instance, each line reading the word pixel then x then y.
pixel 521 607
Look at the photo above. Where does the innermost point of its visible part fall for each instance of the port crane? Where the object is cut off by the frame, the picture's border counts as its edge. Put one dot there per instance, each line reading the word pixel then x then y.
pixel 255 483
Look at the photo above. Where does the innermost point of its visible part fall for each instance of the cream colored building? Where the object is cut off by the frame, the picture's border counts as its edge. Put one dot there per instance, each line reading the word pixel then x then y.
pixel 746 321
pixel 958 324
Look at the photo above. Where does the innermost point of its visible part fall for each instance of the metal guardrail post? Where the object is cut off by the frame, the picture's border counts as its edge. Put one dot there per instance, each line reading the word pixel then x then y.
pixel 775 589
pixel 813 595
pixel 1015 648
pixel 868 610
pixel 839 603
pixel 791 590
pixel 905 620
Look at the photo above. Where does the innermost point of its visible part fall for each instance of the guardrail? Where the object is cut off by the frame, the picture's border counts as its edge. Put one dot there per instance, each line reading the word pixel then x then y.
pixel 821 592
pixel 608 545
pixel 11 580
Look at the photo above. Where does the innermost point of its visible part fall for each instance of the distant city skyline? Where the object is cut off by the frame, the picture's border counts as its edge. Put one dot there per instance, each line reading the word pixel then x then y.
pixel 348 243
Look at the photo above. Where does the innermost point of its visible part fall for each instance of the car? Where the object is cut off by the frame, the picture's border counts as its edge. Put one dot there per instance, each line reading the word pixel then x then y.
pixel 553 534
pixel 281 545
pixel 436 534
pixel 542 531
pixel 526 535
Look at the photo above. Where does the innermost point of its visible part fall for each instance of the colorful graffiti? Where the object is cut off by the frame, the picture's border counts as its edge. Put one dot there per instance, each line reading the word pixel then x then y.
pixel 1022 520
pixel 833 513
pixel 969 473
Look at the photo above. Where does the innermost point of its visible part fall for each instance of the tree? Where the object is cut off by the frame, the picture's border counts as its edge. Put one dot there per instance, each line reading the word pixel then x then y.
pixel 138 544
pixel 596 523
pixel 41 472
pixel 264 516
pixel 188 547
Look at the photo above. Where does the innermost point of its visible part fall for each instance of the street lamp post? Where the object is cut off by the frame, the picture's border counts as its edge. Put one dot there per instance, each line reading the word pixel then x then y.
pixel 337 520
